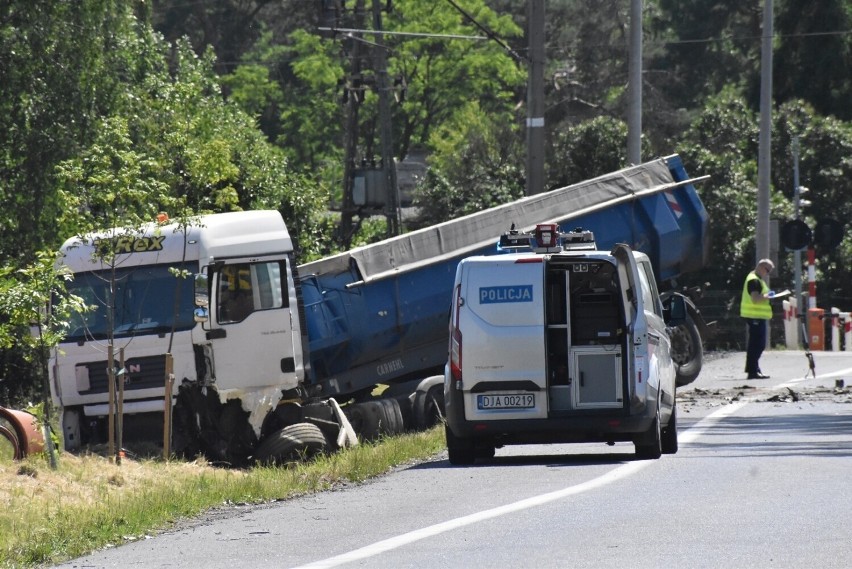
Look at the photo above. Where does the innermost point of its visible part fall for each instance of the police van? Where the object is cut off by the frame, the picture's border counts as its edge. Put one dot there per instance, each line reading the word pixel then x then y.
pixel 557 342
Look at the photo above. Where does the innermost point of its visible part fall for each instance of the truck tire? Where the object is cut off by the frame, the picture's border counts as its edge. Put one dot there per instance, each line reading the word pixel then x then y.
pixel 669 434
pixel 395 424
pixel 293 443
pixel 462 451
pixel 10 449
pixel 649 445
pixel 365 418
pixel 687 352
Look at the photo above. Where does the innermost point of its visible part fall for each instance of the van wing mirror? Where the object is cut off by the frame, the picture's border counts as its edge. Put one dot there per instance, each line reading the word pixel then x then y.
pixel 674 310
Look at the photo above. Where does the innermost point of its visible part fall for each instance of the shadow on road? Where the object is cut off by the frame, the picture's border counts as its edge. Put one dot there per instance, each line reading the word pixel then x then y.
pixel 808 434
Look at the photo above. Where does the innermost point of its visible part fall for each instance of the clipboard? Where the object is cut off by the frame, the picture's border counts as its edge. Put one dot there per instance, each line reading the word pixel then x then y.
pixel 783 294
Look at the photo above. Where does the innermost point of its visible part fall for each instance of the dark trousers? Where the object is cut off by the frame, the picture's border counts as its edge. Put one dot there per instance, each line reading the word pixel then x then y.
pixel 756 343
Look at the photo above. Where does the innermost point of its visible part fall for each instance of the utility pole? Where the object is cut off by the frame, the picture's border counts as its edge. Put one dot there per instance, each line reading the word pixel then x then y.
pixel 797 254
pixel 535 99
pixel 353 104
pixel 765 141
pixel 634 86
pixel 385 130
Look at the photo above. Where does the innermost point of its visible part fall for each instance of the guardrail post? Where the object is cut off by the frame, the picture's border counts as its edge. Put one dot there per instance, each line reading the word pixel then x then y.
pixel 791 324
pixel 835 329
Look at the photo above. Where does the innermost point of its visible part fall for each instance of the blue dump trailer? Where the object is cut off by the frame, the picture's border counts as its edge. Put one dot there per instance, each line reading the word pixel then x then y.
pixel 258 359
pixel 380 313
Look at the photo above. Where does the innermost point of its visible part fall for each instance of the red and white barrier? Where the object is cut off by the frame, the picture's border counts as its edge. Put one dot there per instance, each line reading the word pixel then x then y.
pixel 791 324
pixel 840 322
pixel 811 278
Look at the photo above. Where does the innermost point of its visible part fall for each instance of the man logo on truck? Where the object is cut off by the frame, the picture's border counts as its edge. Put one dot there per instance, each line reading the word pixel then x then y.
pixel 511 293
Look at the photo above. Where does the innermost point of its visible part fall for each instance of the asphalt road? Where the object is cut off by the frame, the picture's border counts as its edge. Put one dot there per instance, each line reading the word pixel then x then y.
pixel 762 479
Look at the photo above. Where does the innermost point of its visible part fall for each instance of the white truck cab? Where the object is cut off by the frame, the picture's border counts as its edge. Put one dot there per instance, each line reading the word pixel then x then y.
pixel 562 344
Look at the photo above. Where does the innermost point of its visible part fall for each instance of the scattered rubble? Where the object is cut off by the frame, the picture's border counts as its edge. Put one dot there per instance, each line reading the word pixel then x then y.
pixel 838 393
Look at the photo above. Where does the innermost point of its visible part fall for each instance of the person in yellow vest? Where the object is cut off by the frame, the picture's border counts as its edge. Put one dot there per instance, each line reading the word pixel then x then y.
pixel 757 312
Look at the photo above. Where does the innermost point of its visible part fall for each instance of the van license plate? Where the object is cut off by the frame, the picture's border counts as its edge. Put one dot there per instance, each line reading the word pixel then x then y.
pixel 522 401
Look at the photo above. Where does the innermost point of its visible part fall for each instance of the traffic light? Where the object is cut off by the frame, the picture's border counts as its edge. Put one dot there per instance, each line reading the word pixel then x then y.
pixel 795 235
pixel 828 234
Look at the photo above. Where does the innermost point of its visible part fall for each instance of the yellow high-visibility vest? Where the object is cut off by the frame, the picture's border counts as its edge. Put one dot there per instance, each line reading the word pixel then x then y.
pixel 751 309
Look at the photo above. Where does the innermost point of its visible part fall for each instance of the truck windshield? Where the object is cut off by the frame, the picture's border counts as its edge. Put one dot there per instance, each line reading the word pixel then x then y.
pixel 148 300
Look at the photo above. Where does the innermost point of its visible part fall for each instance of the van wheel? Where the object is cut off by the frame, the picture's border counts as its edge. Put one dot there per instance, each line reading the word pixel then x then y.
pixel 649 445
pixel 461 450
pixel 669 434
pixel 486 452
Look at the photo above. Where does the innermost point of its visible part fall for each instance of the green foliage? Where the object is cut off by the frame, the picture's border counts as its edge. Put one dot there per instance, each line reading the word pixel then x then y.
pixel 813 59
pixel 442 75
pixel 476 165
pixel 35 296
pixel 36 310
pixel 722 142
pixel 55 80
pixel 175 147
pixel 311 115
pixel 586 150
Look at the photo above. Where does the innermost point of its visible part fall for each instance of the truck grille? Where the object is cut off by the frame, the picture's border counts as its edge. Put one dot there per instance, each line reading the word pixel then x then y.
pixel 142 373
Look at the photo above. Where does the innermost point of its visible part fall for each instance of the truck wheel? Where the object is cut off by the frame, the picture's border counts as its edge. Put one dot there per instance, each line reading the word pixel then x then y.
pixel 429 403
pixel 364 418
pixel 293 443
pixel 395 424
pixel 687 352
pixel 669 434
pixel 434 407
pixel 9 446
pixel 461 450
pixel 649 445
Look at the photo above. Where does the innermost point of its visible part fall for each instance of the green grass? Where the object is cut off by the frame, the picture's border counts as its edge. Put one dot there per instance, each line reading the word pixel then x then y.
pixel 48 516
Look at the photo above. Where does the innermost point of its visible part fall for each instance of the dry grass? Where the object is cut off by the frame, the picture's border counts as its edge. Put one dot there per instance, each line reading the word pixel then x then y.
pixel 89 501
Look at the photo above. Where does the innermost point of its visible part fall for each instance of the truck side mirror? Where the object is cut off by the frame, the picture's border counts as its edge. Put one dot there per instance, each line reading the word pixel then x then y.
pixel 202 290
pixel 674 310
pixel 202 298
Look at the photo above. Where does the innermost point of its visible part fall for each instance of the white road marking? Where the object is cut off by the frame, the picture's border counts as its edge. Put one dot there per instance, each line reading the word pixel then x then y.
pixel 834 374
pixel 614 475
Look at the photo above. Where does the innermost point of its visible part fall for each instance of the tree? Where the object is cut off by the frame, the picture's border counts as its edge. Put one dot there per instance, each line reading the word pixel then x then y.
pixel 55 81
pixel 35 296
pixel 586 150
pixel 813 60
pixel 173 144
pixel 475 166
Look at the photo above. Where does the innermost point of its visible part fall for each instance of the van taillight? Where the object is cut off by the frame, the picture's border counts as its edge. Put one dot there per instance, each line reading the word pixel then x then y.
pixel 456 340
pixel 456 355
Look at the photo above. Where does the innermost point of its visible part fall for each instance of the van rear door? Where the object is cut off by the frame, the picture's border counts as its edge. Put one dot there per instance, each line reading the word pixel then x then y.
pixel 502 333
pixel 637 325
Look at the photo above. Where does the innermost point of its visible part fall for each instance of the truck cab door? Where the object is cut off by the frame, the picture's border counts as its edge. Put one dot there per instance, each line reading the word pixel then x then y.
pixel 253 312
pixel 636 323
